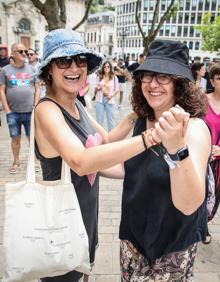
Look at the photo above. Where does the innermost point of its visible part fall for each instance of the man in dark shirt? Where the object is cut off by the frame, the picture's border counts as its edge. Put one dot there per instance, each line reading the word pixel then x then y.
pixel 3 58
pixel 119 71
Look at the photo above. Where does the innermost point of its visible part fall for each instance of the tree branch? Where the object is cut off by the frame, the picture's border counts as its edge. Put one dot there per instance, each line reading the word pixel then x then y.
pixel 138 19
pixel 164 17
pixel 62 6
pixel 38 4
pixel 156 12
pixel 89 4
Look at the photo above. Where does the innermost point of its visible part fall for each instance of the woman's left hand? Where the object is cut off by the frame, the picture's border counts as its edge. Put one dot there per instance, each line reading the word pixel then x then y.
pixel 171 128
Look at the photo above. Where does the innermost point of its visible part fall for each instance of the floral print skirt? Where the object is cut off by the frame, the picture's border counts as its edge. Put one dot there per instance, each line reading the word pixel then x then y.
pixel 177 266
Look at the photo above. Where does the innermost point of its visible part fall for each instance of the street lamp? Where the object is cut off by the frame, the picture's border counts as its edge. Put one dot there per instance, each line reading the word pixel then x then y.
pixel 123 35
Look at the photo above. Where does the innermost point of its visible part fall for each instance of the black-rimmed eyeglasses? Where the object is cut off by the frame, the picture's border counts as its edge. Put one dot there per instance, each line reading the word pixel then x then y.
pixel 66 62
pixel 161 78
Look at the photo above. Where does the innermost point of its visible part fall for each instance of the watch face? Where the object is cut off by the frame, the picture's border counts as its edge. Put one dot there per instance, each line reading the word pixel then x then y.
pixel 184 153
pixel 180 155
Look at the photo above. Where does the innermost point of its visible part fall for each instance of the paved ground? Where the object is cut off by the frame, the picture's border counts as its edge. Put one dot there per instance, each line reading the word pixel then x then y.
pixel 207 266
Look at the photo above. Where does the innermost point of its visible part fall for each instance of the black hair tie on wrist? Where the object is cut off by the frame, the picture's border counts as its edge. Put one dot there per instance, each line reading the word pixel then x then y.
pixel 144 140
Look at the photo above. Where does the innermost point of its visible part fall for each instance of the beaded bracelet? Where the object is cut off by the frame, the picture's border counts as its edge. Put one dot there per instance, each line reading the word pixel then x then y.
pixel 144 140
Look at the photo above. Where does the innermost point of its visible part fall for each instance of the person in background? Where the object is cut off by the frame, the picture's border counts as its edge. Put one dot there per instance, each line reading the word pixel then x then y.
pixel 164 212
pixel 198 71
pixel 19 91
pixel 209 87
pixel 3 58
pixel 65 130
pixel 108 88
pixel 119 72
pixel 33 58
pixel 212 118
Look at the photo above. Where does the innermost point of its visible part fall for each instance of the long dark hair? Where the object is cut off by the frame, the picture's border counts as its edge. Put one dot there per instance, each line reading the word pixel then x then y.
pixel 186 94
pixel 111 73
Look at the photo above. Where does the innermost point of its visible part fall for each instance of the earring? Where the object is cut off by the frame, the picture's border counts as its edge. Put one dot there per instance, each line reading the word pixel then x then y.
pixel 49 77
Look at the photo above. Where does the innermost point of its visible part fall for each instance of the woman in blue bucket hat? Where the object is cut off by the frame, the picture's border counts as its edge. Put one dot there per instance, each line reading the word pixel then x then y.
pixel 65 130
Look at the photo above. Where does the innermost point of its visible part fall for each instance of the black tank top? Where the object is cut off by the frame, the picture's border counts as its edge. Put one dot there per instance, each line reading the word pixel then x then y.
pixel 87 195
pixel 149 219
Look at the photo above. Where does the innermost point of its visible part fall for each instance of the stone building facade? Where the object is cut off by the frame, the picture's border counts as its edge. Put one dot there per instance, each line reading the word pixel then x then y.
pixel 20 21
pixel 99 32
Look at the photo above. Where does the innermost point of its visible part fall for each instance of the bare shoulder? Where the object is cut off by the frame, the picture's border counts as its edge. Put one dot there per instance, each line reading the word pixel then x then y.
pixel 198 133
pixel 48 111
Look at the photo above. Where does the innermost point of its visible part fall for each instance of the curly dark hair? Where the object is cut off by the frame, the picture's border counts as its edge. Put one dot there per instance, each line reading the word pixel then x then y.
pixel 186 93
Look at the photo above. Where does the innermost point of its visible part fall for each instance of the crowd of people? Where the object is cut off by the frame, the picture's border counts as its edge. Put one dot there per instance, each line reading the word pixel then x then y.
pixel 163 165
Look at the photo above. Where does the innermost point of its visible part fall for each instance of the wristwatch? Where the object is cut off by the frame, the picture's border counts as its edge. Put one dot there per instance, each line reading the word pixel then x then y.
pixel 180 154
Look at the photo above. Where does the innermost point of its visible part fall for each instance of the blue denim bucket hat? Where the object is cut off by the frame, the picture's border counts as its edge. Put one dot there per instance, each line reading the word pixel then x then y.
pixel 67 42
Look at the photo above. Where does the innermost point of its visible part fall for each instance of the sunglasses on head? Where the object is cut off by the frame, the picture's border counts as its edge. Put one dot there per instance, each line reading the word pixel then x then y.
pixel 66 62
pixel 22 51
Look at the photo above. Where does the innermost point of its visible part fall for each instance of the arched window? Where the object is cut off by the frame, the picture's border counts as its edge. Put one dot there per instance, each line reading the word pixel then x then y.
pixel 197 45
pixel 190 45
pixel 24 25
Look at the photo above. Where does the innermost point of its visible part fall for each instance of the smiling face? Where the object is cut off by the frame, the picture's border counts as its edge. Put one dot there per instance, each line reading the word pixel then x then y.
pixel 68 76
pixel 158 91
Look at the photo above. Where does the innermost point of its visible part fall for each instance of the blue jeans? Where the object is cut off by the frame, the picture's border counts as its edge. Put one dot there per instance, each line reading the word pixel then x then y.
pixel 103 107
pixel 16 120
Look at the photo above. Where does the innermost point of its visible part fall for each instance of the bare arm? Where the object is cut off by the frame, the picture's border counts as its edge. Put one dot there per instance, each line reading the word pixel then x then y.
pixel 4 99
pixel 119 132
pixel 66 144
pixel 116 172
pixel 187 180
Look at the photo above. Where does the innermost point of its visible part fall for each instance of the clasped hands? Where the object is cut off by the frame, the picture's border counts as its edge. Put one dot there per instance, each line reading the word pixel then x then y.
pixel 170 130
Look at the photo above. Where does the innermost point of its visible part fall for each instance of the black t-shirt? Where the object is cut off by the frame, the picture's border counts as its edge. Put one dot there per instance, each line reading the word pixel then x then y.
pixel 3 62
pixel 149 219
pixel 133 67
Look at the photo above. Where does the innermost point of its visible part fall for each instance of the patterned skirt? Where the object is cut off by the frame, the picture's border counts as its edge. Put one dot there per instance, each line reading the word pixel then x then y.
pixel 177 266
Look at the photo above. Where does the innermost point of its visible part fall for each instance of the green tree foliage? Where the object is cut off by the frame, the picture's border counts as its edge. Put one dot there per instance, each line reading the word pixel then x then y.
pixel 210 31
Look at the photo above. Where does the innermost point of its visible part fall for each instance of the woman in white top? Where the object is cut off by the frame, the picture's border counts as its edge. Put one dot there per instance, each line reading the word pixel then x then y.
pixel 107 87
pixel 198 71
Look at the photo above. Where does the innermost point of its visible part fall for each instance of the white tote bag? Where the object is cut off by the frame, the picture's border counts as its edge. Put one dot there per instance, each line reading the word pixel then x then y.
pixel 44 234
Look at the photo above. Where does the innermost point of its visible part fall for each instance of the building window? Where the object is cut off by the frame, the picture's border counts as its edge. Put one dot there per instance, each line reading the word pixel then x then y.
pixel 37 45
pixel 185 31
pixel 194 2
pixel 145 18
pixel 193 18
pixel 186 21
pixel 207 2
pixel 145 5
pixel 173 31
pixel 151 4
pixel 179 31
pixel 190 45
pixel 191 31
pixel 200 6
pixel 0 40
pixel 161 32
pixel 180 19
pixel 24 25
pixel 187 5
pixel 213 7
pixel 199 18
pixel 197 45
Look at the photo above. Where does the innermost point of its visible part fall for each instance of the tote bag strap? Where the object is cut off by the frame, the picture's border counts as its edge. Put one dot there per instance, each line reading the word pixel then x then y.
pixel 30 173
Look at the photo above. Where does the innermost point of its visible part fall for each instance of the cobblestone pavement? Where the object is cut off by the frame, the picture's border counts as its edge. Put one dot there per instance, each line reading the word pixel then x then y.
pixel 207 266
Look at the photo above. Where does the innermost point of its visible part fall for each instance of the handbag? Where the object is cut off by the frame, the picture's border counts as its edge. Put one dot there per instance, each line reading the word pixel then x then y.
pixel 44 234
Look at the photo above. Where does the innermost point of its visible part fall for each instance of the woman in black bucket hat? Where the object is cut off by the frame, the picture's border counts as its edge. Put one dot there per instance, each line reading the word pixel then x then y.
pixel 163 205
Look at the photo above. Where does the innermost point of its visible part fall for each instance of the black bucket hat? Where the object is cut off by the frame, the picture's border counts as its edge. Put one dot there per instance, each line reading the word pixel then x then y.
pixel 169 57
